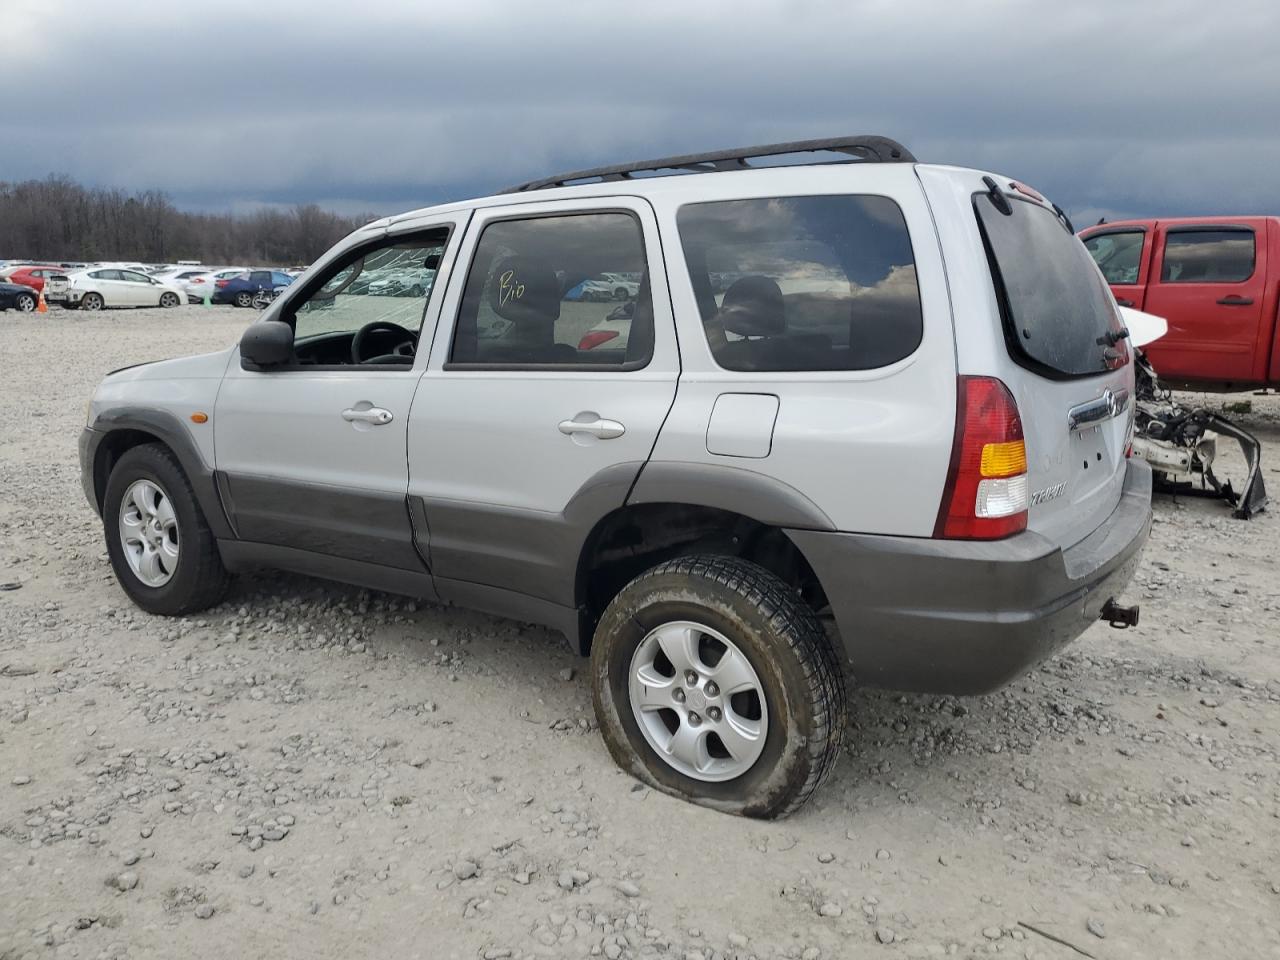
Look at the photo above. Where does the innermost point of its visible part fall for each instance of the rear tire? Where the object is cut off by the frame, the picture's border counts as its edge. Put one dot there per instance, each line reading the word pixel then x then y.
pixel 168 299
pixel 198 580
pixel 792 675
pixel 244 299
pixel 92 301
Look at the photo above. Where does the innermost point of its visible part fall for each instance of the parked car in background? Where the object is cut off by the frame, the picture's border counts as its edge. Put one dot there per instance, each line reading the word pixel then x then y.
pixel 100 287
pixel 240 288
pixel 1217 282
pixel 606 286
pixel 613 331
pixel 178 276
pixel 202 284
pixel 33 276
pixel 407 282
pixel 15 296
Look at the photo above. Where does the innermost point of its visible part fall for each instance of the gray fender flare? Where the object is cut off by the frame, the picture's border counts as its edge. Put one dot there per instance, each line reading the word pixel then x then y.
pixel 167 428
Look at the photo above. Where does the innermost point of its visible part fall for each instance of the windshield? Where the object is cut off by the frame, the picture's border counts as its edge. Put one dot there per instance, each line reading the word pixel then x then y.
pixel 1059 316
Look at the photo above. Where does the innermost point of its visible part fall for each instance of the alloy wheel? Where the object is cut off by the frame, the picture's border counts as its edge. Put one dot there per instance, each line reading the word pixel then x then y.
pixel 149 533
pixel 698 701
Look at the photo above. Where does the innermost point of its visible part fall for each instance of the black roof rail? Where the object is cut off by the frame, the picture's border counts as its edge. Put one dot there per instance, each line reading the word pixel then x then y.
pixel 867 149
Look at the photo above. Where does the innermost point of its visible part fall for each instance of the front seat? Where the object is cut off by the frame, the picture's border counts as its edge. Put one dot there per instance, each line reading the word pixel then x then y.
pixel 753 309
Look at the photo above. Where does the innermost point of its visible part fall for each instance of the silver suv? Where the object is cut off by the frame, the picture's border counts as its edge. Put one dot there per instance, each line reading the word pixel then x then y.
pixel 870 416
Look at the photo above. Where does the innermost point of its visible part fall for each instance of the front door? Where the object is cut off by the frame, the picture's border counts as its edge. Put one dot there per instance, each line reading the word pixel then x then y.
pixel 137 289
pixel 1209 283
pixel 525 431
pixel 311 456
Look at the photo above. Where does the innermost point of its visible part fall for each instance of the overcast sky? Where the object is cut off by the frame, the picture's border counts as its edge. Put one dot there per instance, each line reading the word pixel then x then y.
pixel 1108 106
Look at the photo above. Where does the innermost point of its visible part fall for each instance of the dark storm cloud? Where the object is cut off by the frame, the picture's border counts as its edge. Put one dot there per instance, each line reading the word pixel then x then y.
pixel 1110 107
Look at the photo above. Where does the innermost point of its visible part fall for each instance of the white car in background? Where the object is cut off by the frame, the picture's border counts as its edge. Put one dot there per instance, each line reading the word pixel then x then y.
pixel 612 286
pixel 100 287
pixel 178 276
pixel 203 282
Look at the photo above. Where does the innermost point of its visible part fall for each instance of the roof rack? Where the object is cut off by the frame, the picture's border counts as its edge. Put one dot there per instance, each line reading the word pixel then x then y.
pixel 864 149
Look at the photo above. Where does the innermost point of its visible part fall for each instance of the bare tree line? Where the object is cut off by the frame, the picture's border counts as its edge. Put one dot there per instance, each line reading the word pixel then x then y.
pixel 60 220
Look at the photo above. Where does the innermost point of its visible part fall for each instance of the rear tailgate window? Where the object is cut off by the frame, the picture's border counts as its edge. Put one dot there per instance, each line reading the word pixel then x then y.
pixel 1059 317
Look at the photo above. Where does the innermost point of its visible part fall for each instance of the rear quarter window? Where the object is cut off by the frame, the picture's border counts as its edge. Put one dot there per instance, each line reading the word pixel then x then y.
pixel 803 283
pixel 1055 307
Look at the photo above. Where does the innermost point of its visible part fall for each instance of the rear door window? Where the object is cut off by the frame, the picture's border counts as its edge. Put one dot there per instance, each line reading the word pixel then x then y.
pixel 803 283
pixel 538 287
pixel 1058 314
pixel 1208 256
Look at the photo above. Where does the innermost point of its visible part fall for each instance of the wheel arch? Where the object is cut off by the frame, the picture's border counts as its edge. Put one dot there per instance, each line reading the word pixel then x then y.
pixel 123 429
pixel 631 539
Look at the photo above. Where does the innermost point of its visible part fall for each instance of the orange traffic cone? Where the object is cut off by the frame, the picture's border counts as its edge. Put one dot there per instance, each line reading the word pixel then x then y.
pixel 41 306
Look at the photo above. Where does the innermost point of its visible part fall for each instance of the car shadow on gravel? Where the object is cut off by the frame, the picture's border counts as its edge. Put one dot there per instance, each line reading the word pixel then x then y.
pixel 887 733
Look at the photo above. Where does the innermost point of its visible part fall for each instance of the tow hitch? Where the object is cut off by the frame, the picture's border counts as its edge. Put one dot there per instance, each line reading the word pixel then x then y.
pixel 1119 617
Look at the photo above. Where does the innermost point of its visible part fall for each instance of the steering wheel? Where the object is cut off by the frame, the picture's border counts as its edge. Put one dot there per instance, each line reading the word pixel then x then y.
pixel 403 349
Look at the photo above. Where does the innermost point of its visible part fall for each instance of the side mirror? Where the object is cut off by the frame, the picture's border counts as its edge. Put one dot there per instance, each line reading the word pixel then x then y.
pixel 266 344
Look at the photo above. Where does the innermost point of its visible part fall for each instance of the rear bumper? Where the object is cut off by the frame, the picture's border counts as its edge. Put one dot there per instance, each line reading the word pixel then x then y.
pixel 965 617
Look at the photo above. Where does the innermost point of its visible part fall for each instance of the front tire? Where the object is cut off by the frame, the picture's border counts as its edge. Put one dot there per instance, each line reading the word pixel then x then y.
pixel 92 301
pixel 161 549
pixel 714 682
pixel 25 303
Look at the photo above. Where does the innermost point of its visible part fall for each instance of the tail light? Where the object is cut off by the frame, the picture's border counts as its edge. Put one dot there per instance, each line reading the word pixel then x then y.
pixel 594 338
pixel 986 496
pixel 222 283
pixel 196 280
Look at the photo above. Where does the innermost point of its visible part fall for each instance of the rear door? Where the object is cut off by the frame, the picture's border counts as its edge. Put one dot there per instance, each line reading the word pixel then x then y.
pixel 1123 254
pixel 1209 282
pixel 518 440
pixel 1037 314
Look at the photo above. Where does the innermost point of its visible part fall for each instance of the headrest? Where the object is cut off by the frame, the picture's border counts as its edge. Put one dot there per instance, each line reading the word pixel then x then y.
pixel 752 307
pixel 524 290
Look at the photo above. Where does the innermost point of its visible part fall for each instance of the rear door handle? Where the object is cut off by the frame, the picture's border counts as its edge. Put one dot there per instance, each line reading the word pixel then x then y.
pixel 1235 301
pixel 374 415
pixel 597 427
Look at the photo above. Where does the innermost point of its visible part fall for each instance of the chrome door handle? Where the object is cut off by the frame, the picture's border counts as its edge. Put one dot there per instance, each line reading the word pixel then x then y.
pixel 374 415
pixel 599 427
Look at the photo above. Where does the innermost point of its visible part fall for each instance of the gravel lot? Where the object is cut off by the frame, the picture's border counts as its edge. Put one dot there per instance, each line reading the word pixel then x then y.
pixel 316 771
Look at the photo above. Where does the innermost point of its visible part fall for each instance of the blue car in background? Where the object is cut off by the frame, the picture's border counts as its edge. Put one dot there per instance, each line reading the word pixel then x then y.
pixel 240 289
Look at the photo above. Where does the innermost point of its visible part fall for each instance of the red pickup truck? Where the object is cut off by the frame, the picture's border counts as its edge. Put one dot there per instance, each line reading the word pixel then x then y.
pixel 1216 280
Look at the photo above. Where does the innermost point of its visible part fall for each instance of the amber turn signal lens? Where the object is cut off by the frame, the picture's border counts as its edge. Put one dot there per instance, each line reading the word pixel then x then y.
pixel 200 417
pixel 1006 459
